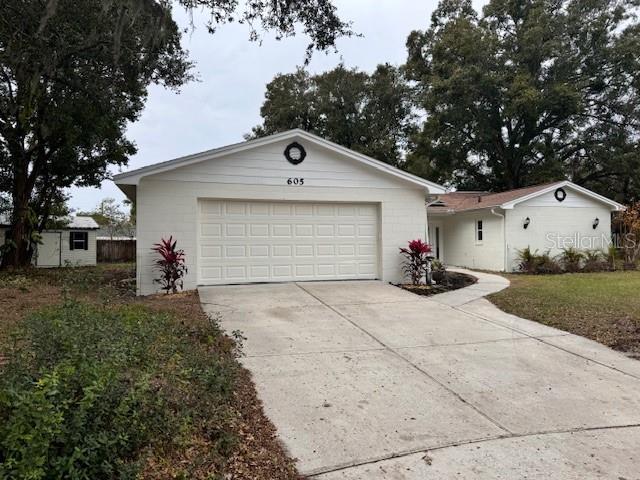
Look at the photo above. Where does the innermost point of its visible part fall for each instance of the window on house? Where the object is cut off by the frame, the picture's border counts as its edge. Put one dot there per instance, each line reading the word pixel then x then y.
pixel 479 232
pixel 79 240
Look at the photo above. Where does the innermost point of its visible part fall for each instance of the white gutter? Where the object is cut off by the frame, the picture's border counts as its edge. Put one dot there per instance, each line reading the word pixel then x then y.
pixel 504 236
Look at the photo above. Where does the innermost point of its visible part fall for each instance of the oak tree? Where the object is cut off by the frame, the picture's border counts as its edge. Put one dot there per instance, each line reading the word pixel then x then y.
pixel 529 91
pixel 75 73
pixel 369 113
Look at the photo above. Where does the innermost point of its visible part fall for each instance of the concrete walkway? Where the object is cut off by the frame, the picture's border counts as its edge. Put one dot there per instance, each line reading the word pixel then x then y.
pixel 364 380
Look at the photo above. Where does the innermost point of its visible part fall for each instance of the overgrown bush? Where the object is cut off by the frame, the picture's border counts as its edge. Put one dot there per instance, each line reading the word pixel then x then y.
pixel 171 265
pixel 89 391
pixel 415 260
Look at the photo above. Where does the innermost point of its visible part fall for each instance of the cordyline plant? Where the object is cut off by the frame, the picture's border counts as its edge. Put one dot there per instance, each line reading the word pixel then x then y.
pixel 171 265
pixel 416 259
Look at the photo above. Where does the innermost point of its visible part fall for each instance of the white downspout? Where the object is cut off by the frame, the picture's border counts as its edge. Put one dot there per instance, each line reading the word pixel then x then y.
pixel 504 238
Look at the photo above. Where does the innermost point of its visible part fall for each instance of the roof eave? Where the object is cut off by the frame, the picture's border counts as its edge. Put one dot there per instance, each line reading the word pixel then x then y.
pixel 133 177
pixel 615 206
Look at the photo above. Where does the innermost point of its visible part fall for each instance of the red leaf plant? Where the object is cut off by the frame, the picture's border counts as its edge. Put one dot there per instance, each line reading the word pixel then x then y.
pixel 415 260
pixel 171 265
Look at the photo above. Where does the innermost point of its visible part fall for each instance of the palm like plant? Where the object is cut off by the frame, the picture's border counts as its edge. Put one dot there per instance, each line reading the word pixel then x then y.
pixel 416 258
pixel 171 265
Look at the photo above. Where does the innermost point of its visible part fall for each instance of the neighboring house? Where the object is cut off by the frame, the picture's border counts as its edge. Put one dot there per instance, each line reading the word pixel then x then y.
pixel 73 245
pixel 486 230
pixel 288 207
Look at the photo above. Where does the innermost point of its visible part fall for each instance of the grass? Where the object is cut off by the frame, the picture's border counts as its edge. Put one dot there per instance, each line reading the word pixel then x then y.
pixel 98 383
pixel 604 307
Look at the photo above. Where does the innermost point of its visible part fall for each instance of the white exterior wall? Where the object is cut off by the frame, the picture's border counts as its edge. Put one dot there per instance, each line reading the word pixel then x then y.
pixel 571 219
pixel 79 257
pixel 167 203
pixel 72 257
pixel 460 246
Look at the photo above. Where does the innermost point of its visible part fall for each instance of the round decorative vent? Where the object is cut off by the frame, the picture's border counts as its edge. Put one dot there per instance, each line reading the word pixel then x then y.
pixel 295 153
pixel 560 194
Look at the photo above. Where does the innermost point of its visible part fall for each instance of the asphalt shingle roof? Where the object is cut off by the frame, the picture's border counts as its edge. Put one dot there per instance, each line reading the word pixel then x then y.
pixel 461 201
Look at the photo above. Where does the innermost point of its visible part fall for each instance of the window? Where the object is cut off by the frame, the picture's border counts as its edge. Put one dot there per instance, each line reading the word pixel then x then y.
pixel 79 241
pixel 479 231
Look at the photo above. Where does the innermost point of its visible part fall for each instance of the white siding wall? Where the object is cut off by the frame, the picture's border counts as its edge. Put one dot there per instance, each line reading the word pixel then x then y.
pixel 167 203
pixel 460 245
pixel 74 257
pixel 572 220
pixel 79 257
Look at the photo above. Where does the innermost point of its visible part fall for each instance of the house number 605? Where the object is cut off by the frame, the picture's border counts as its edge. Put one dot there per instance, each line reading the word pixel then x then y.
pixel 295 181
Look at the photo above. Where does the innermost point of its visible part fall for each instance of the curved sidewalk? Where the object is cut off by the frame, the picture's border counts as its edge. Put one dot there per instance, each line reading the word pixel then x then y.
pixel 486 285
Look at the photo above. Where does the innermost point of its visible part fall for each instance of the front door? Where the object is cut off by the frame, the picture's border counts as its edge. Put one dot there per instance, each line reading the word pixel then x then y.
pixel 435 239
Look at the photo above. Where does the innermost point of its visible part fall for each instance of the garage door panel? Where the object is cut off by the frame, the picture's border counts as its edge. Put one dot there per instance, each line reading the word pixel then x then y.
pixel 252 241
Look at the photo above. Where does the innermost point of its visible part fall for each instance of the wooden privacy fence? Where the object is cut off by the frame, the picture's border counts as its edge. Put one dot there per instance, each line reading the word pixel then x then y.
pixel 114 250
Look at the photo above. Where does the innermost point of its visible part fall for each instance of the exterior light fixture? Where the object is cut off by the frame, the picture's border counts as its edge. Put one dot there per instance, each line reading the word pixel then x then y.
pixel 596 222
pixel 526 223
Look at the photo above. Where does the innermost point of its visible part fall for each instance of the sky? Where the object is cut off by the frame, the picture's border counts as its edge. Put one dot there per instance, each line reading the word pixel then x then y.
pixel 224 104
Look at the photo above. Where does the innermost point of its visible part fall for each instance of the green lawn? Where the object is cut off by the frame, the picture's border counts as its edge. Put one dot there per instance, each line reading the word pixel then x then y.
pixel 602 306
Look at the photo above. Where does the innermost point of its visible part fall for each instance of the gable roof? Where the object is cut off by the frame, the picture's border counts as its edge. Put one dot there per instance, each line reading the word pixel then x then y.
pixel 455 202
pixel 133 177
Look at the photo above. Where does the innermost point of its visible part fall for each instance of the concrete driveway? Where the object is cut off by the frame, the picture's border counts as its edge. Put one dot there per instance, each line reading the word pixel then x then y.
pixel 364 380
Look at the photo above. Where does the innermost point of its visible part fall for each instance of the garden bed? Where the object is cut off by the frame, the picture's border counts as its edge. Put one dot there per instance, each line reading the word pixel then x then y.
pixel 452 281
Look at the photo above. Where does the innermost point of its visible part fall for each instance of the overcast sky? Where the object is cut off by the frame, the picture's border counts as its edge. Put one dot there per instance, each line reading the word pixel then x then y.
pixel 233 72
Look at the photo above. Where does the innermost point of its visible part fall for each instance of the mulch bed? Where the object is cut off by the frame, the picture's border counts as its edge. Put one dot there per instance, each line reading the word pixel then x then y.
pixel 451 281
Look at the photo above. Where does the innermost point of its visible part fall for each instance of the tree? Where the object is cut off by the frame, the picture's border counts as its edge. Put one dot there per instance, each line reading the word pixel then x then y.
pixel 109 215
pixel 531 91
pixel 369 113
pixel 74 73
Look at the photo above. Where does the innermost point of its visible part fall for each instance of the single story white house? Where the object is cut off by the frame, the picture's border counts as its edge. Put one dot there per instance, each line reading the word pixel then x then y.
pixel 288 207
pixel 296 207
pixel 73 245
pixel 486 230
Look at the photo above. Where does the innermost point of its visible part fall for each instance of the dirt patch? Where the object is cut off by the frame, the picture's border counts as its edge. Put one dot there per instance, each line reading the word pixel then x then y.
pixel 451 281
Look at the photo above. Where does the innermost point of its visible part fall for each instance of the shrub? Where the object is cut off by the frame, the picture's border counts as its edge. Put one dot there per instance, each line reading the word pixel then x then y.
pixel 596 261
pixel 171 265
pixel 532 263
pixel 571 259
pixel 527 260
pixel 628 224
pixel 547 264
pixel 438 270
pixel 89 391
pixel 415 263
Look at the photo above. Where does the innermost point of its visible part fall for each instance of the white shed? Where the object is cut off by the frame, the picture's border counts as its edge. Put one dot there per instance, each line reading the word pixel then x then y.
pixel 288 207
pixel 72 245
pixel 486 230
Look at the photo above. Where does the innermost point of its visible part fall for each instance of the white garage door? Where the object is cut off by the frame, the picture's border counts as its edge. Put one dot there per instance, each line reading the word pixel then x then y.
pixel 249 241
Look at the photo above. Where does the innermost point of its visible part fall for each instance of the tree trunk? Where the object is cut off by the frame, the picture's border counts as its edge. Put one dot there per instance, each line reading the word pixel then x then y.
pixel 20 232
